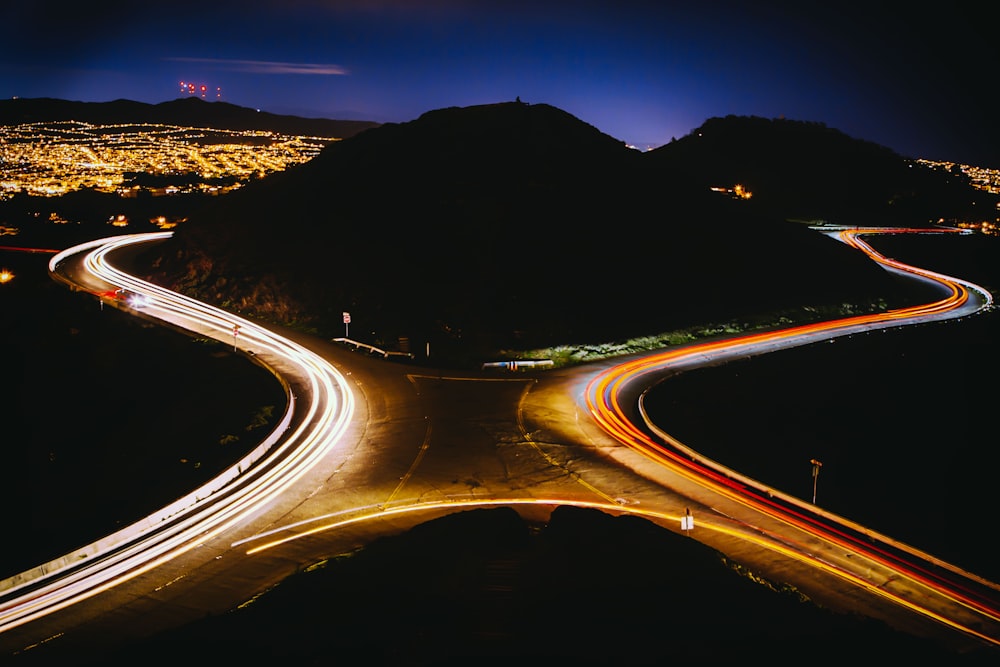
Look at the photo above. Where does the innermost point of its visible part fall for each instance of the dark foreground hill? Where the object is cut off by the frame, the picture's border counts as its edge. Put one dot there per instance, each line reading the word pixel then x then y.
pixel 587 589
pixel 513 226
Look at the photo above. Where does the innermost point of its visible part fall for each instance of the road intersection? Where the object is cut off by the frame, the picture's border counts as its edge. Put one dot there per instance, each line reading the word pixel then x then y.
pixel 370 447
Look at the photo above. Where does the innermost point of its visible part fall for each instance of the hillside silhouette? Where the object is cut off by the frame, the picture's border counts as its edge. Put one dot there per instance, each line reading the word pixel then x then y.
pixel 512 226
pixel 500 228
pixel 807 171
pixel 184 111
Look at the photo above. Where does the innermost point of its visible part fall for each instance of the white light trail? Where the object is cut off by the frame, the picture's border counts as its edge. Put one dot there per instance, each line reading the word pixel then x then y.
pixel 225 502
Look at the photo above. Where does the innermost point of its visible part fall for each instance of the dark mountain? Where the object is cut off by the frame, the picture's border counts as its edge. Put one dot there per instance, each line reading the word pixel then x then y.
pixel 186 111
pixel 508 226
pixel 807 171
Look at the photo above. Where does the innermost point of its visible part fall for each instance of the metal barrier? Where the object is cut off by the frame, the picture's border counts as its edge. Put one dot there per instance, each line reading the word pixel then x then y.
pixel 372 348
pixel 515 364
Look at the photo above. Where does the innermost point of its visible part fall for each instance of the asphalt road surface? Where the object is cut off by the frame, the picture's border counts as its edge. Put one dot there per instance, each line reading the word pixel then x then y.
pixel 399 445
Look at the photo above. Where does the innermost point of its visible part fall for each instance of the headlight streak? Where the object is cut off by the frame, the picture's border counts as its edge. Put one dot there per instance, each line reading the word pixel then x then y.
pixel 607 400
pixel 224 503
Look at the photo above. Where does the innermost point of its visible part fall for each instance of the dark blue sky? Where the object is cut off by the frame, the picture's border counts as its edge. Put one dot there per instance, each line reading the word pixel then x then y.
pixel 918 77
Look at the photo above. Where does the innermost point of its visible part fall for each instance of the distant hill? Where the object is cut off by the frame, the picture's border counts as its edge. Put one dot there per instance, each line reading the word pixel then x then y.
pixel 186 111
pixel 805 170
pixel 511 226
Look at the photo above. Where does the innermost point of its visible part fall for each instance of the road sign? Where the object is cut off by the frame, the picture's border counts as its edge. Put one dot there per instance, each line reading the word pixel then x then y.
pixel 347 317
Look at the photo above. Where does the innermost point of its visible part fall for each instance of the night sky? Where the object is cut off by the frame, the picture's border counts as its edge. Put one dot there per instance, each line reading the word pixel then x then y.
pixel 917 78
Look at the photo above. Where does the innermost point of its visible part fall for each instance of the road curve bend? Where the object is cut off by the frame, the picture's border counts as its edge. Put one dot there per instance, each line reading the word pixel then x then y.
pixel 919 581
pixel 312 425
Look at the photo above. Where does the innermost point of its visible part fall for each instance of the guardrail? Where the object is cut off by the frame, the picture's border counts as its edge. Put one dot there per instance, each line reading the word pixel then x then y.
pixel 514 364
pixel 511 365
pixel 372 348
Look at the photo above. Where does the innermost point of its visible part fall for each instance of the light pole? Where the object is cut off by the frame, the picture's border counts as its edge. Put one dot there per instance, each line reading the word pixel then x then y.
pixel 816 466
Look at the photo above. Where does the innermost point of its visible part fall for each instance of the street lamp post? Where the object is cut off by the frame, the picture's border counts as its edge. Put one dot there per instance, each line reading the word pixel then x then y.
pixel 816 466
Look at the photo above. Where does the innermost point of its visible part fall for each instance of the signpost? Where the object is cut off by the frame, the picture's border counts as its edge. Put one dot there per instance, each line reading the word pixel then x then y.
pixel 816 466
pixel 347 322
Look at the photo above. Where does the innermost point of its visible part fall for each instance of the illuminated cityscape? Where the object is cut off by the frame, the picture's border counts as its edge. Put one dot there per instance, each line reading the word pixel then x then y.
pixel 981 177
pixel 53 158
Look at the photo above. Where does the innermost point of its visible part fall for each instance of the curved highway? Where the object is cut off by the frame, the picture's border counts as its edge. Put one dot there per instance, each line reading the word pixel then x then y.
pixel 312 424
pixel 376 448
pixel 907 576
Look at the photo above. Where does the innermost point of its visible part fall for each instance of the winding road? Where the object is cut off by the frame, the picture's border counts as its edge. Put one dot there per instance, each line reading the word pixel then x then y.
pixel 369 448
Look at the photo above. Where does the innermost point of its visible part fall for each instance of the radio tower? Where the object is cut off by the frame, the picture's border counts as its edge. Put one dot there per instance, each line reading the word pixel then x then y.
pixel 188 88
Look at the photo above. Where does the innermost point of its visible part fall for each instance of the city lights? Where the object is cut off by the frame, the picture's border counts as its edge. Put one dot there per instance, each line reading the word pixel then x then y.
pixel 53 158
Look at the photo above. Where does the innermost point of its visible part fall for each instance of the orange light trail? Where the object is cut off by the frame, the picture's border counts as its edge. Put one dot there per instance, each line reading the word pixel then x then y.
pixel 608 400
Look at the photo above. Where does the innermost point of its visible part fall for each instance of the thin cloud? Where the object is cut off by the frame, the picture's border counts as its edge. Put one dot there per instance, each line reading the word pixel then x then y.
pixel 270 67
